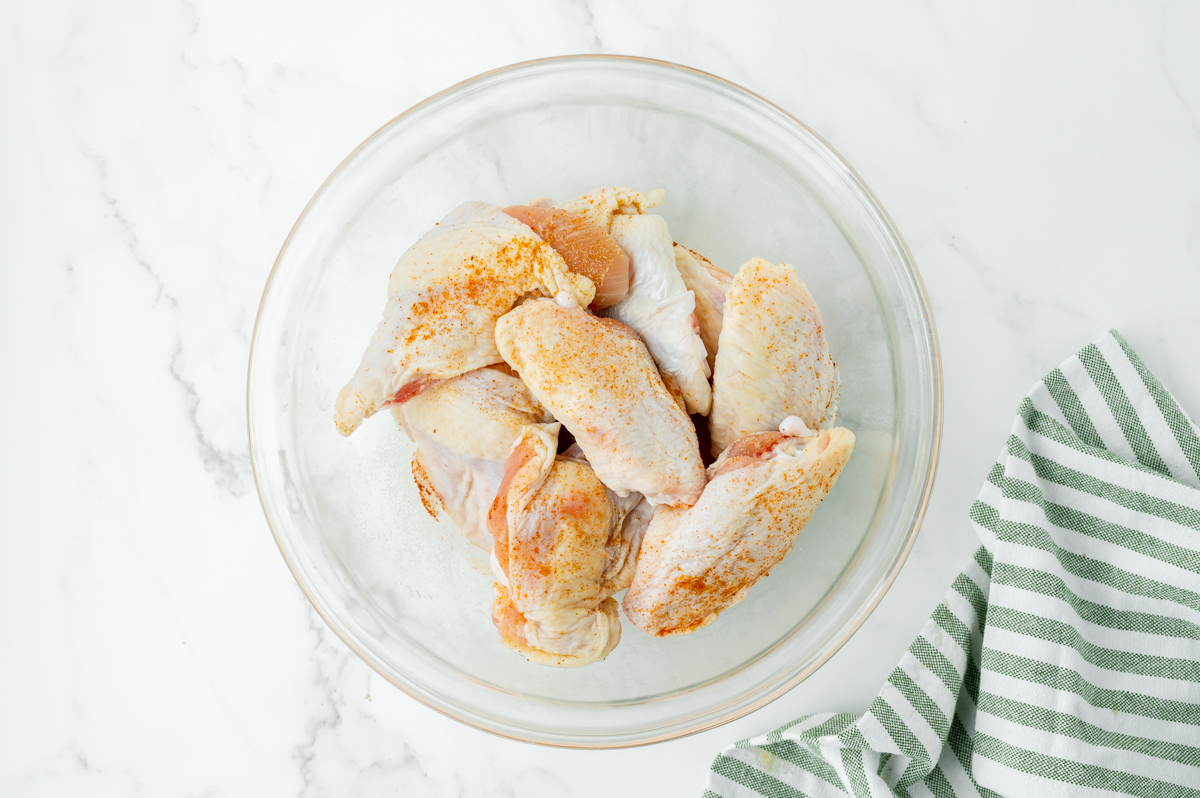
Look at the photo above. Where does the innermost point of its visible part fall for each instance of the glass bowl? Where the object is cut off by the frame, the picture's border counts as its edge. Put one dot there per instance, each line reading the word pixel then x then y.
pixel 743 179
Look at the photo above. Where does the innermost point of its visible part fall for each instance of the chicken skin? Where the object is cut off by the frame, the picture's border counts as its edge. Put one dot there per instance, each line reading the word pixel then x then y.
pixel 585 247
pixel 595 376
pixel 562 548
pixel 600 206
pixel 698 561
pixel 709 284
pixel 772 361
pixel 622 549
pixel 661 309
pixel 646 291
pixel 444 297
pixel 464 429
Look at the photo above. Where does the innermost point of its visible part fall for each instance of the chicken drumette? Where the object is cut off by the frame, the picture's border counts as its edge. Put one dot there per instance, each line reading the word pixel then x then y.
pixel 564 544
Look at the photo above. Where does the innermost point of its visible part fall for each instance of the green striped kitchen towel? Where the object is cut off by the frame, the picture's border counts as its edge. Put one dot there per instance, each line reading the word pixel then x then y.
pixel 1065 660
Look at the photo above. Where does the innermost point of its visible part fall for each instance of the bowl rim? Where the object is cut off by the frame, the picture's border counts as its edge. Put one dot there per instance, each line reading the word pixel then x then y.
pixel 863 613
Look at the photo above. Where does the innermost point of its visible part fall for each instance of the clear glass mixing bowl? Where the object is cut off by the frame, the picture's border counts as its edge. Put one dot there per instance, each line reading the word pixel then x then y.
pixel 743 179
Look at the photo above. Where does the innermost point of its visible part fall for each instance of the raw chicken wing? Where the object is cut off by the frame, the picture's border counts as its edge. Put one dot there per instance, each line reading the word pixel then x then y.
pixel 600 206
pixel 596 377
pixel 561 551
pixel 464 429
pixel 709 284
pixel 622 549
pixel 698 561
pixel 661 309
pixel 444 297
pixel 772 361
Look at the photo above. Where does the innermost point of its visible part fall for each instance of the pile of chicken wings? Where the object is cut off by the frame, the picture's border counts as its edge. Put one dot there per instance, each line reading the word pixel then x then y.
pixel 554 363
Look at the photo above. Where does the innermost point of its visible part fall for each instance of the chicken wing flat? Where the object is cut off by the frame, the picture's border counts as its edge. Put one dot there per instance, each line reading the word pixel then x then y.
pixel 444 297
pixel 595 376
pixel 772 360
pixel 696 562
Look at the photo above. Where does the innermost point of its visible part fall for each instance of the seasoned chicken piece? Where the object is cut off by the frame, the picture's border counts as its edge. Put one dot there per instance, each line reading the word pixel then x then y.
pixel 444 297
pixel 595 376
pixel 696 562
pixel 661 309
pixel 772 361
pixel 622 549
pixel 587 249
pixel 674 390
pixel 710 284
pixel 561 550
pixel 464 429
pixel 600 206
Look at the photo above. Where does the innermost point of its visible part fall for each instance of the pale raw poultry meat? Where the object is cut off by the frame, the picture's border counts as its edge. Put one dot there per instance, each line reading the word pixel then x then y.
pixel 661 309
pixel 772 361
pixel 487 349
pixel 595 376
pixel 464 429
pixel 622 549
pixel 586 248
pixel 562 548
pixel 696 562
pixel 600 206
pixel 709 284
pixel 444 297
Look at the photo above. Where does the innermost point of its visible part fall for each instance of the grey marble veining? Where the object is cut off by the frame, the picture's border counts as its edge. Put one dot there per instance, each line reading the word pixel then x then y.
pixel 1043 166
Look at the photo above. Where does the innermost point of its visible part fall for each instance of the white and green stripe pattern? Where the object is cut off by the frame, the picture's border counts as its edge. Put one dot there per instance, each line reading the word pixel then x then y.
pixel 1065 661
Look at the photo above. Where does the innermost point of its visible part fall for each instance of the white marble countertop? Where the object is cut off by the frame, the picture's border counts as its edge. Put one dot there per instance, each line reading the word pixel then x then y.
pixel 1042 161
